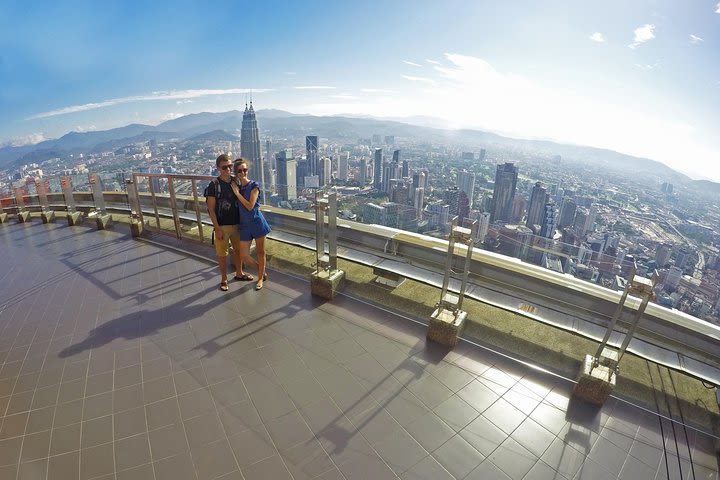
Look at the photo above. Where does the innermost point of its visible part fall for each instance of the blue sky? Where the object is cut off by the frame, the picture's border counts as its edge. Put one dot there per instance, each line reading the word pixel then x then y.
pixel 641 77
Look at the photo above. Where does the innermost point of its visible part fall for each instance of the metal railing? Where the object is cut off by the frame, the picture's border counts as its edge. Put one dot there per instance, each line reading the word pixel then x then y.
pixel 173 204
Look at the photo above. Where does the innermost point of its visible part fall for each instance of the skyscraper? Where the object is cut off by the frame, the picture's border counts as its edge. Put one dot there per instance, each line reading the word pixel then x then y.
pixel 536 210
pixel 286 171
pixel 343 166
pixel 378 169
pixel 466 183
pixel 505 184
pixel 311 154
pixel 250 144
pixel 249 137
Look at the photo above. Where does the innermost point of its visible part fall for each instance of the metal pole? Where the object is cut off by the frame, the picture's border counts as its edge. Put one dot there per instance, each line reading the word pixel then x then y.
pixel 197 209
pixel 332 230
pixel 173 207
pixel 616 315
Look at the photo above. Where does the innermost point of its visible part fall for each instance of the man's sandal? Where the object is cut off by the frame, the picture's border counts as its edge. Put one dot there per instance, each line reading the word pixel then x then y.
pixel 224 286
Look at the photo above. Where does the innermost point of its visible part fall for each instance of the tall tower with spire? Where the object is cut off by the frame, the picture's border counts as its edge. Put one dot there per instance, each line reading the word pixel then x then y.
pixel 250 142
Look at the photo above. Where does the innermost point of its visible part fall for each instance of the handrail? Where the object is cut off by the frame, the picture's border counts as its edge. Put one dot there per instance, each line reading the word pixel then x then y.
pixel 563 300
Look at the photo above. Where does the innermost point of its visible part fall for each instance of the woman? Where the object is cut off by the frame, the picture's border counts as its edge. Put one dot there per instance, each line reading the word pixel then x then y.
pixel 252 223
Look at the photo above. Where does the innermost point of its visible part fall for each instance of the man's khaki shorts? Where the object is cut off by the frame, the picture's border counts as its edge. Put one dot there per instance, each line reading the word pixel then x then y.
pixel 231 235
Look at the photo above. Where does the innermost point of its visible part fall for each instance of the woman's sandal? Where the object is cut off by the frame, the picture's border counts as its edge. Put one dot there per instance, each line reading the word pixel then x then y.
pixel 245 277
pixel 224 286
pixel 259 285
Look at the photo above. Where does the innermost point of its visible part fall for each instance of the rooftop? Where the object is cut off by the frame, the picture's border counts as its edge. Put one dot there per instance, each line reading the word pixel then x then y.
pixel 120 358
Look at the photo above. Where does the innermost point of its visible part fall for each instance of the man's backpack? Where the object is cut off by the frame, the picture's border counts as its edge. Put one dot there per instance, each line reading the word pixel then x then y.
pixel 216 182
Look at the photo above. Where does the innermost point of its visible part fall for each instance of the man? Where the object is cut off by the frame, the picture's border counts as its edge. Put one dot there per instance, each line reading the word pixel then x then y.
pixel 223 210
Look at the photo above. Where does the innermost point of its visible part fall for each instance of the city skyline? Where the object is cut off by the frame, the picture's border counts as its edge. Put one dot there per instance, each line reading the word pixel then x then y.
pixel 641 79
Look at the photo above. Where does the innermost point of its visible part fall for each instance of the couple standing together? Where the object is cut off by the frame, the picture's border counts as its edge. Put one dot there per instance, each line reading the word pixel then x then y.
pixel 234 208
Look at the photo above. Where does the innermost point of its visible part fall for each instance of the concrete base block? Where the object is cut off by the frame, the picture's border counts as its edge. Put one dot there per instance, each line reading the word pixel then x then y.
pixel 594 385
pixel 24 217
pixel 325 284
pixel 3 217
pixel 103 221
pixel 74 218
pixel 446 326
pixel 47 216
pixel 136 229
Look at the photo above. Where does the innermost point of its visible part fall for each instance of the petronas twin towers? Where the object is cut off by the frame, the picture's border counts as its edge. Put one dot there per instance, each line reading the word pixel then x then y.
pixel 250 138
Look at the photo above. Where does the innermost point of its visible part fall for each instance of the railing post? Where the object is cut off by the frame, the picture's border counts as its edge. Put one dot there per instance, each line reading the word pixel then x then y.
pixel 327 278
pixel 136 225
pixel 73 216
pixel 448 320
pixel 173 207
pixel 197 210
pixel 46 214
pixel 102 219
pixel 598 376
pixel 22 213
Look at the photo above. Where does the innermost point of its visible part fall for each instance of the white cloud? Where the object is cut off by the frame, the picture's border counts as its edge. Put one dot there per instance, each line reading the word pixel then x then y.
pixel 183 102
pixel 83 128
pixel 412 63
pixel 647 66
pixel 172 116
pixel 643 34
pixel 314 87
pixel 717 8
pixel 29 139
pixel 434 62
pixel 290 73
pixel 375 90
pixel 418 79
pixel 154 96
pixel 694 39
pixel 344 96
pixel 598 37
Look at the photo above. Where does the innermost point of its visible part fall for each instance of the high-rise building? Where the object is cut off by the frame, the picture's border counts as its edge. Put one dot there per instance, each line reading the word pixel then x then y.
pixel 662 254
pixel 268 178
pixel 504 191
pixel 378 169
pixel 396 157
pixel 325 171
pixel 362 172
pixel 389 139
pixel 249 137
pixel 286 172
pixel 536 209
pixel 418 201
pixel 567 212
pixel 549 221
pixel 311 155
pixel 482 155
pixel 466 183
pixel 343 160
pixel 250 143
pixel 682 257
pixel 405 169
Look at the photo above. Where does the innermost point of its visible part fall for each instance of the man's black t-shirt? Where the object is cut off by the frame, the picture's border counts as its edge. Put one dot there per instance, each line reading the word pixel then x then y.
pixel 226 204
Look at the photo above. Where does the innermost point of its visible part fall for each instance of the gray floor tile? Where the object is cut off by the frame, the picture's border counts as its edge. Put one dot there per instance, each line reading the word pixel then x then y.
pixel 179 467
pixel 97 461
pixel 430 431
pixel 458 457
pixel 307 460
pixel 167 441
pixel 64 466
pixel 129 423
pixel 213 459
pixel 272 467
pixel 400 451
pixel 35 446
pixel 132 452
pixel 513 459
pixel 203 429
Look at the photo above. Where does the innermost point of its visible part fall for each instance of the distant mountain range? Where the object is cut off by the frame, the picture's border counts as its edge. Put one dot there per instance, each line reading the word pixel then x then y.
pixel 280 124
